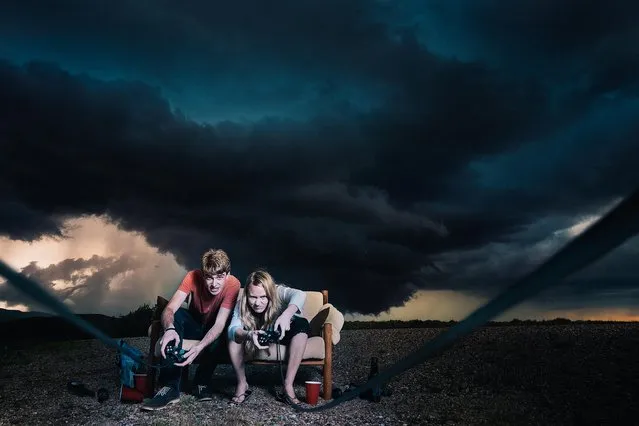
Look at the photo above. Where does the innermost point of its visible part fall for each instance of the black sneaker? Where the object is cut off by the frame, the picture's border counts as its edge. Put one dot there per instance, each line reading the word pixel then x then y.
pixel 165 396
pixel 203 393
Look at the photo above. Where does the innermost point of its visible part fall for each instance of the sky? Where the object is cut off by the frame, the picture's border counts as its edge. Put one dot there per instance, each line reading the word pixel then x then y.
pixel 412 157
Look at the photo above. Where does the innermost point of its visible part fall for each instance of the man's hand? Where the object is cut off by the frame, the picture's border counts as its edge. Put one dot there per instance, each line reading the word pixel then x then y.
pixel 168 337
pixel 190 355
pixel 254 335
pixel 284 323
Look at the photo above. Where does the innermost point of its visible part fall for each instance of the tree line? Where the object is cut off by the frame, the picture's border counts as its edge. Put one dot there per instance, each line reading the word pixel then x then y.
pixel 136 324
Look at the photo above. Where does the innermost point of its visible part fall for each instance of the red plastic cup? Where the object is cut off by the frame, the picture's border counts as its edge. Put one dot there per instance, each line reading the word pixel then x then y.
pixel 141 383
pixel 312 392
pixel 128 394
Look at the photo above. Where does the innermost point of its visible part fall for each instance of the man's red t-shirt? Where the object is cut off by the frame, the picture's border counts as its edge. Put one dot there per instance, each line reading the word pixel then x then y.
pixel 204 306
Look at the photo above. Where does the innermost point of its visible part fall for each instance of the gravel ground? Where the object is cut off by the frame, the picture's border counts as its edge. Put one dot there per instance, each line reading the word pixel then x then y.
pixel 542 375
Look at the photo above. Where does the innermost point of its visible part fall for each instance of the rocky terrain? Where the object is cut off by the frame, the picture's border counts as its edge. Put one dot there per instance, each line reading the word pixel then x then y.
pixel 511 375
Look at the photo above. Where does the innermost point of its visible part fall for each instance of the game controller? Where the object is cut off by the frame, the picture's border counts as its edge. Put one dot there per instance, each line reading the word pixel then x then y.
pixel 269 336
pixel 174 354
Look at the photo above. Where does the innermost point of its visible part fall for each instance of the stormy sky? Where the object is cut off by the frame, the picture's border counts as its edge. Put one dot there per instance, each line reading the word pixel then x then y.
pixel 412 157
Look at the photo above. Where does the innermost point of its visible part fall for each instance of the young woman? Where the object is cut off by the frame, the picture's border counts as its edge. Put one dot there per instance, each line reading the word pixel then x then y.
pixel 265 305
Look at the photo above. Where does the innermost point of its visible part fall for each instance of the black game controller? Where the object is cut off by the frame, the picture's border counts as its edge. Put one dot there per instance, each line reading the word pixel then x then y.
pixel 174 354
pixel 269 336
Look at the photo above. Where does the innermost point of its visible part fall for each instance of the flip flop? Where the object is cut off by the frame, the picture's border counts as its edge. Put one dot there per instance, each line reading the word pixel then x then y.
pixel 283 397
pixel 245 396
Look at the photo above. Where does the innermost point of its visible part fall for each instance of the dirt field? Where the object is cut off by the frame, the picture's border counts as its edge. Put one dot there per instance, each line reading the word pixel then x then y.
pixel 542 375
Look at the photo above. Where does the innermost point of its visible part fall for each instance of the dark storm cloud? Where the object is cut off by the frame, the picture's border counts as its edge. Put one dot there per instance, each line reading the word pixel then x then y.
pixel 613 281
pixel 401 146
pixel 81 282
pixel 547 29
pixel 591 43
pixel 22 223
pixel 220 33
pixel 116 148
pixel 247 57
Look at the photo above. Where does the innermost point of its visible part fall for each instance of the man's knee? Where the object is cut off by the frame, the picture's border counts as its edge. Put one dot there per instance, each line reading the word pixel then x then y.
pixel 181 316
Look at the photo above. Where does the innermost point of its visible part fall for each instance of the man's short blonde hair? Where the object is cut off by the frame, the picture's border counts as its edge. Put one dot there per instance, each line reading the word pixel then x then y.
pixel 215 261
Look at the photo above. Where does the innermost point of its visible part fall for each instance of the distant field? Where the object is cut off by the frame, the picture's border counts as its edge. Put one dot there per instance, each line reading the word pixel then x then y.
pixel 584 374
pixel 392 324
pixel 35 326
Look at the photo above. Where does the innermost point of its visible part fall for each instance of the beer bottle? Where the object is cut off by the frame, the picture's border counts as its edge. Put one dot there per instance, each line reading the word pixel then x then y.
pixel 377 389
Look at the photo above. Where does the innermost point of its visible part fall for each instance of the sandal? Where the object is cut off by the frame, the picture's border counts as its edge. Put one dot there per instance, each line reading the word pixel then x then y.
pixel 244 396
pixel 283 397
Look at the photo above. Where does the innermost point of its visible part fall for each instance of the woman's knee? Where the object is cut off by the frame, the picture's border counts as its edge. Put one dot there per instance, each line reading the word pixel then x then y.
pixel 299 338
pixel 235 348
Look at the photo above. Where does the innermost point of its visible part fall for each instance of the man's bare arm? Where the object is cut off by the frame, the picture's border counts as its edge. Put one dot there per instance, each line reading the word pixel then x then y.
pixel 218 327
pixel 171 308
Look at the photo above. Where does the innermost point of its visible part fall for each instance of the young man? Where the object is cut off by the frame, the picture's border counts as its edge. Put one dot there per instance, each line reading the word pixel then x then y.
pixel 213 292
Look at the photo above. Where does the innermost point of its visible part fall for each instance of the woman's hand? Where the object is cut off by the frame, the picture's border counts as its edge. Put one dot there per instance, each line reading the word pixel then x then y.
pixel 284 323
pixel 253 335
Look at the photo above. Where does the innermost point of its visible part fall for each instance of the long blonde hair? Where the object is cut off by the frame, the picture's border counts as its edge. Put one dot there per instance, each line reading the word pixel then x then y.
pixel 251 320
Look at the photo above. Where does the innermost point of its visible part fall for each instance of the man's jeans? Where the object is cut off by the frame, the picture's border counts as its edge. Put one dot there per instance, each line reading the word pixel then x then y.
pixel 188 328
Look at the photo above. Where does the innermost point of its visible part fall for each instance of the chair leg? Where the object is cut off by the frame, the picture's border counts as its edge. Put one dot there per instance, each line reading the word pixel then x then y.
pixel 327 381
pixel 151 372
pixel 327 384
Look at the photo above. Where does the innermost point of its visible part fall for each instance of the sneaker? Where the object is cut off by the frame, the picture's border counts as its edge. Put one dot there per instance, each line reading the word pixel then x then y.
pixel 203 393
pixel 165 396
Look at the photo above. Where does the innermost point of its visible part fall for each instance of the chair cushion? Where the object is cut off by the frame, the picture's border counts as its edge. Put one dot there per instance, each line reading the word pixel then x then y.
pixel 314 350
pixel 336 319
pixel 313 304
